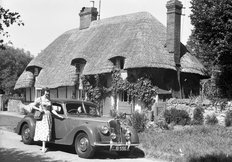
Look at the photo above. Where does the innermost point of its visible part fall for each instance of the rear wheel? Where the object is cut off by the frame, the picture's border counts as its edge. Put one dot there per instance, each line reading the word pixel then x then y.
pixel 26 134
pixel 83 147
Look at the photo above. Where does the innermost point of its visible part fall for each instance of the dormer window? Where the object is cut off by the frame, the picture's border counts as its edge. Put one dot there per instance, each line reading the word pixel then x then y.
pixel 79 64
pixel 36 71
pixel 78 68
pixel 118 62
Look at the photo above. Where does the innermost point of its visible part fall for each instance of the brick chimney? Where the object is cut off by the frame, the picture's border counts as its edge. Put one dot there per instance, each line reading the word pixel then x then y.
pixel 174 11
pixel 87 14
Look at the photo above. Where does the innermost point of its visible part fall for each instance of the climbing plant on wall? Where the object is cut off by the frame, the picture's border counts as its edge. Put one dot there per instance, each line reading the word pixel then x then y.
pixel 142 89
pixel 94 88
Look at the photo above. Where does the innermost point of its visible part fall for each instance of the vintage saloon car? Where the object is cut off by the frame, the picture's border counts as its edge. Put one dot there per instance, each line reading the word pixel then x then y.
pixel 83 128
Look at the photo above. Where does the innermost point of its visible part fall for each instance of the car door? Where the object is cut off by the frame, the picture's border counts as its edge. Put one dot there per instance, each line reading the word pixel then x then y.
pixel 60 126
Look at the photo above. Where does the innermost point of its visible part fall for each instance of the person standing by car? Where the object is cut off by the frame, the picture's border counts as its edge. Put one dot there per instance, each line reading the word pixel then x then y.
pixel 43 127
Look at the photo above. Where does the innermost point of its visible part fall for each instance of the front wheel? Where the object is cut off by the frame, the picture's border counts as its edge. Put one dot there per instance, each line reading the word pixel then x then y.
pixel 83 147
pixel 26 134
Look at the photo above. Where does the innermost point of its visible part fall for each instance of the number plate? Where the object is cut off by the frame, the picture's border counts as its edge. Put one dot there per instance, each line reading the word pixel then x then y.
pixel 119 148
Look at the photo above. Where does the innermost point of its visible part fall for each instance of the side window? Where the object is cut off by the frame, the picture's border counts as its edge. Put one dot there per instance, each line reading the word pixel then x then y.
pixel 58 108
pixel 73 108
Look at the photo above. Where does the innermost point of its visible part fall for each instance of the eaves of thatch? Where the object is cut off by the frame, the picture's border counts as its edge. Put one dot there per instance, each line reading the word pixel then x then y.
pixel 190 64
pixel 138 37
pixel 25 80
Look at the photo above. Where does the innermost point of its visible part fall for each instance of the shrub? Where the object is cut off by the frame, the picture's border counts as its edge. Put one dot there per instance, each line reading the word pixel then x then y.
pixel 162 124
pixel 198 117
pixel 179 117
pixel 228 118
pixel 138 121
pixel 211 119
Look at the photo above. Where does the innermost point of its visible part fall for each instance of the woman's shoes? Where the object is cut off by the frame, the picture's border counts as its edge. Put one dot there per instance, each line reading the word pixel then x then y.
pixel 44 150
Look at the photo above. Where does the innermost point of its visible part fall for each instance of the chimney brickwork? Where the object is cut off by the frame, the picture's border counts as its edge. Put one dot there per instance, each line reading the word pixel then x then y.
pixel 87 15
pixel 174 11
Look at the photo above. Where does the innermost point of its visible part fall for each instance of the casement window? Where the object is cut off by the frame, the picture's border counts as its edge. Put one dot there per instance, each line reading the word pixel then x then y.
pixel 30 94
pixel 36 71
pixel 39 92
pixel 119 63
pixel 78 72
pixel 124 97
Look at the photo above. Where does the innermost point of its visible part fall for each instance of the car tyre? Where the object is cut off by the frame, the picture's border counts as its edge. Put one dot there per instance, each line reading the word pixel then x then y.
pixel 26 134
pixel 83 147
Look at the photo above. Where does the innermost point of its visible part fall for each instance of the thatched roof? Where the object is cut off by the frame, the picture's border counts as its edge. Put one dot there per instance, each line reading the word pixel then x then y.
pixel 138 37
pixel 190 64
pixel 25 80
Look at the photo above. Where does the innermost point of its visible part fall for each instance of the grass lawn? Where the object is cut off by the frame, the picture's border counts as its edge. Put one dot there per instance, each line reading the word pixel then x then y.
pixel 195 143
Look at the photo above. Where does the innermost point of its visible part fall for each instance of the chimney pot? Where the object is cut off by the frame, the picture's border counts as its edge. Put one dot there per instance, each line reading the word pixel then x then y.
pixel 87 15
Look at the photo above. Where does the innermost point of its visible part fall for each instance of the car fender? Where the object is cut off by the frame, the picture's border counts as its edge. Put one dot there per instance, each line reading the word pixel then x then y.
pixel 92 133
pixel 31 123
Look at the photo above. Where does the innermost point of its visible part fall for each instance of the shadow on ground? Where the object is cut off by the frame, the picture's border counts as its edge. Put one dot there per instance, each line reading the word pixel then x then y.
pixel 13 155
pixel 104 154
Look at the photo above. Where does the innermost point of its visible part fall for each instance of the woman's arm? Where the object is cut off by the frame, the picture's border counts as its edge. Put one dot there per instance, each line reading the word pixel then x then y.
pixel 36 108
pixel 55 113
pixel 35 105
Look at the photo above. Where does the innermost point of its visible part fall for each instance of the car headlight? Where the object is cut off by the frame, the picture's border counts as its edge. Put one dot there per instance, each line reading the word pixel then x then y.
pixel 113 136
pixel 104 129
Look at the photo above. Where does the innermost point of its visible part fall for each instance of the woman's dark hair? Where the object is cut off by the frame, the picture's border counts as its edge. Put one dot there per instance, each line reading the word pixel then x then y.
pixel 45 89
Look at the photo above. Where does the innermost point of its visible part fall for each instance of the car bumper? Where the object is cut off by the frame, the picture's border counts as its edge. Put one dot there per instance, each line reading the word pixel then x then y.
pixel 114 146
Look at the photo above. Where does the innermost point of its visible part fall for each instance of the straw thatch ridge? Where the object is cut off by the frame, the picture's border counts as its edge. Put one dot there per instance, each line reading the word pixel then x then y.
pixel 138 37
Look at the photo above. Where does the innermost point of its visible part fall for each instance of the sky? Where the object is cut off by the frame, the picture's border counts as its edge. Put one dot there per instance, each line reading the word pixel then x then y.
pixel 45 20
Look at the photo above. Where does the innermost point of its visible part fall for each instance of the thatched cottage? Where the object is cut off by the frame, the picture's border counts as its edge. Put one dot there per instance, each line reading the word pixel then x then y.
pixel 134 43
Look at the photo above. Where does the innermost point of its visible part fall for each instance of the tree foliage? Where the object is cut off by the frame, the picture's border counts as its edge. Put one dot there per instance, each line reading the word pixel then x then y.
pixel 211 39
pixel 7 18
pixel 12 63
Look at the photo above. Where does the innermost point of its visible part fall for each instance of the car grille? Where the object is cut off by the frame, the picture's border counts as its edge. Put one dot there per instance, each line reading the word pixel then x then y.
pixel 115 127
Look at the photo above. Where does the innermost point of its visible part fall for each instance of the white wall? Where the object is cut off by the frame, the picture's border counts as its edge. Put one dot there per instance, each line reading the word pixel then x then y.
pixel 70 92
pixel 53 93
pixel 62 92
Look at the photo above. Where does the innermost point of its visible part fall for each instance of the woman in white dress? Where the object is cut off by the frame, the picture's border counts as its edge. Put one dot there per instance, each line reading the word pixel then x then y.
pixel 43 127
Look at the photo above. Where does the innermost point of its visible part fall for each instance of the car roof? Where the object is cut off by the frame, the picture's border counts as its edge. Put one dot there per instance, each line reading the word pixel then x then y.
pixel 71 101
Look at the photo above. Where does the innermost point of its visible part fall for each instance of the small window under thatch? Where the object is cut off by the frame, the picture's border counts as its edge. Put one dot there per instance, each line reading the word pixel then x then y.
pixel 78 61
pixel 34 69
pixel 118 62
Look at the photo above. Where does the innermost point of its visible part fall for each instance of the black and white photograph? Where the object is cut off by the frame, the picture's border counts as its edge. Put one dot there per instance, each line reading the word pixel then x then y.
pixel 116 80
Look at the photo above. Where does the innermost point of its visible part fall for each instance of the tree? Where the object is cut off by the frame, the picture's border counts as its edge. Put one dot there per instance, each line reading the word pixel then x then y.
pixel 7 18
pixel 211 38
pixel 12 64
